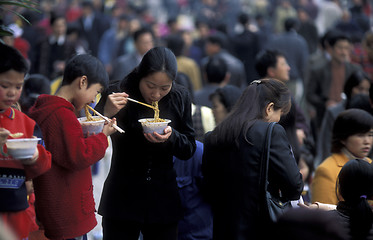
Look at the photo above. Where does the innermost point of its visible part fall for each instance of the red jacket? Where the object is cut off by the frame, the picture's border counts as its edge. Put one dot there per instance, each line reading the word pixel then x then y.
pixel 64 198
pixel 13 194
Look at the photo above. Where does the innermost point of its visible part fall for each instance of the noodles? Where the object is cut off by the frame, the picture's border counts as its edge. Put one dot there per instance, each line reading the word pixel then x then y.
pixel 156 113
pixel 89 116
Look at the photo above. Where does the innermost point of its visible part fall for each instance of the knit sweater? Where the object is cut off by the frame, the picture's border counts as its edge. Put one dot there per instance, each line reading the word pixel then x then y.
pixel 64 198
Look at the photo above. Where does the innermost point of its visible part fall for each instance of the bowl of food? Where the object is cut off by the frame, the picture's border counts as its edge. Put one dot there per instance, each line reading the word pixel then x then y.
pixel 94 126
pixel 22 148
pixel 149 125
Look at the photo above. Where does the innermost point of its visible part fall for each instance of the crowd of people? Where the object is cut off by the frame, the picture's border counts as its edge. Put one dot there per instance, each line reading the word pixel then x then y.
pixel 222 71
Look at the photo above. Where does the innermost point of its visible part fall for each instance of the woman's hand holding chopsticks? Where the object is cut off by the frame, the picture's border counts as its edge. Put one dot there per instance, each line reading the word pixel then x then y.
pixel 114 103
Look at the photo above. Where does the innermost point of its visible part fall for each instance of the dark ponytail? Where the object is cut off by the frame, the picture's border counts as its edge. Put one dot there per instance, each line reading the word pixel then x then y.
pixel 355 186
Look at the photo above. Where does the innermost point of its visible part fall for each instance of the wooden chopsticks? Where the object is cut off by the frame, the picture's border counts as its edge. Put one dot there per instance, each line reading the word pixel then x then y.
pixel 107 119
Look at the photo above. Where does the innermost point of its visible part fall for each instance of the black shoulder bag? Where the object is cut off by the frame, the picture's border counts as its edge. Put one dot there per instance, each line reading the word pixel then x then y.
pixel 271 207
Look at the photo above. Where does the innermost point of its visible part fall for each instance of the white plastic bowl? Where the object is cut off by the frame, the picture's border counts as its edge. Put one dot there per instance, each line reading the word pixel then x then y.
pixel 92 126
pixel 149 127
pixel 22 148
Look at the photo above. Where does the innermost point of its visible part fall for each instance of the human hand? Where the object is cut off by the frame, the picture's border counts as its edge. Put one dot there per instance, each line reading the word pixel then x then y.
pixel 159 138
pixel 4 133
pixel 114 103
pixel 309 206
pixel 29 186
pixel 318 205
pixel 108 127
pixel 30 161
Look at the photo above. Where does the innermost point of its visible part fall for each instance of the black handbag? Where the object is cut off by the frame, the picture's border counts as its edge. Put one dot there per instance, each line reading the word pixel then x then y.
pixel 272 207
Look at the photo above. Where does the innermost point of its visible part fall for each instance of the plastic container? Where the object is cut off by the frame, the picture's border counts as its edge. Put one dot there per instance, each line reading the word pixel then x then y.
pixel 22 148
pixel 92 127
pixel 149 126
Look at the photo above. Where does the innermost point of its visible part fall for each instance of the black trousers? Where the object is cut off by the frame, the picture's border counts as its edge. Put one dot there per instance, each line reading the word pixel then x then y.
pixel 114 229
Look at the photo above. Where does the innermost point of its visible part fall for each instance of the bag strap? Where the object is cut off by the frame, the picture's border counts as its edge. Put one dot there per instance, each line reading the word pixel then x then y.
pixel 264 161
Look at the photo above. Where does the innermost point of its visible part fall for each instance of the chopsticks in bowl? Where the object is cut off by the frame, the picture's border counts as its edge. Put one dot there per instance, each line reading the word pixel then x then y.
pixel 107 119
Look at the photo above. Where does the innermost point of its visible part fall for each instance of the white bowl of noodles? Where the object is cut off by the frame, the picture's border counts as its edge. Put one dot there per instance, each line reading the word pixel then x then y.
pixel 149 125
pixel 92 127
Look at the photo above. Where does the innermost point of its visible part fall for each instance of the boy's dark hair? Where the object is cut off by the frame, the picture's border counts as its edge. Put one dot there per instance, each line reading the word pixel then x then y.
pixel 12 59
pixel 88 65
pixel 266 59
pixel 348 123
pixel 216 70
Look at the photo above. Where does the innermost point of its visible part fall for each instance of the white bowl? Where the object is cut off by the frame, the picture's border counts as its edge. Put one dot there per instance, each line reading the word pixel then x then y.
pixel 22 148
pixel 92 126
pixel 149 127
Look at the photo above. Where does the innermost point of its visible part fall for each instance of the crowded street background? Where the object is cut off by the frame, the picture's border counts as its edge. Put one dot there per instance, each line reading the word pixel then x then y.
pixel 322 50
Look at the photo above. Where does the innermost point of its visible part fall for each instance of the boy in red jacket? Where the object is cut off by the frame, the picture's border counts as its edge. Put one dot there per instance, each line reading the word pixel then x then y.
pixel 14 173
pixel 64 195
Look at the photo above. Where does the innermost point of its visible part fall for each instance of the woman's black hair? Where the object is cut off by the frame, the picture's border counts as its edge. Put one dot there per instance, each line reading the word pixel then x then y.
pixel 250 107
pixel 355 186
pixel 354 80
pixel 349 122
pixel 157 59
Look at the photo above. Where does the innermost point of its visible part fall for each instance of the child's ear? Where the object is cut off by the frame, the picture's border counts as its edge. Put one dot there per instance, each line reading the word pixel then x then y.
pixel 83 81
